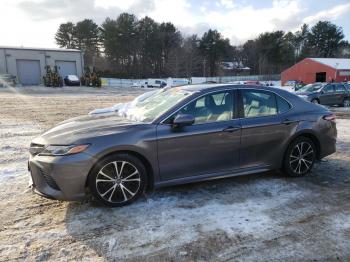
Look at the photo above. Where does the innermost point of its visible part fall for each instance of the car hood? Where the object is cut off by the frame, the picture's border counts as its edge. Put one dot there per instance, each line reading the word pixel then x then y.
pixel 81 128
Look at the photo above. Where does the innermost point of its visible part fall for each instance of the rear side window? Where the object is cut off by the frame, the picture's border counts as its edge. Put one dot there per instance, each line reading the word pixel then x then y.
pixel 339 88
pixel 282 105
pixel 259 103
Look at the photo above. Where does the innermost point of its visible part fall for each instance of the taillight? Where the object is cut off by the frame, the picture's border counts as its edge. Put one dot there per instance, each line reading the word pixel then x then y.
pixel 330 117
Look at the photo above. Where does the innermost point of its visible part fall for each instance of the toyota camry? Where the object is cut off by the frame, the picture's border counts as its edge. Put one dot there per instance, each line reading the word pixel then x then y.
pixel 180 135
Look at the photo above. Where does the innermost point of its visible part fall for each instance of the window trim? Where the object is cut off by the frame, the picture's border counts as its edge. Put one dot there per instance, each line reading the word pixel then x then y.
pixel 235 108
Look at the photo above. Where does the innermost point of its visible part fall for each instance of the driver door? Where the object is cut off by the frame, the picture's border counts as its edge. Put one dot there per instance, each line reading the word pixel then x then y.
pixel 208 146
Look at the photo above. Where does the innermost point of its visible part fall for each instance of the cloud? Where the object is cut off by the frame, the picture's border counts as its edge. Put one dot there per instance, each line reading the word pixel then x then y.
pixel 34 22
pixel 246 22
pixel 331 14
pixel 77 10
pixel 68 10
pixel 226 4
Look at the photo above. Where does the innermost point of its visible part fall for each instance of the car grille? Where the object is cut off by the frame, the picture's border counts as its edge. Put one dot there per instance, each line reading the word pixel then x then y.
pixel 49 180
pixel 35 149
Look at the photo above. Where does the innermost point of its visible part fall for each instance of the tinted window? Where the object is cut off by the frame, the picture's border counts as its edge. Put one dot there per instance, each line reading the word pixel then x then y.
pixel 328 89
pixel 258 103
pixel 339 88
pixel 210 108
pixel 282 105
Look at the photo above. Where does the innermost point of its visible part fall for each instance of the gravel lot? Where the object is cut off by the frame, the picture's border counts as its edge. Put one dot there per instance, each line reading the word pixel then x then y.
pixel 263 217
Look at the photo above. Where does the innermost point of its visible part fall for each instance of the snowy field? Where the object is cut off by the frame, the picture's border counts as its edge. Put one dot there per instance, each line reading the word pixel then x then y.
pixel 264 217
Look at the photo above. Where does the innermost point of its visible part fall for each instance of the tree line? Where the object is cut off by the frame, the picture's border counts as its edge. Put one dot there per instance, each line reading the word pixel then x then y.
pixel 141 48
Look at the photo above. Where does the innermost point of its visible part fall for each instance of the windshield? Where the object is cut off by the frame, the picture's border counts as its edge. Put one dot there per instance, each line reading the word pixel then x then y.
pixel 155 105
pixel 311 88
pixel 73 77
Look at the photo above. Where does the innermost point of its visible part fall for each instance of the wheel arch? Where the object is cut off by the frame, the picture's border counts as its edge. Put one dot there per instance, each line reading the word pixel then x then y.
pixel 149 169
pixel 308 134
pixel 315 98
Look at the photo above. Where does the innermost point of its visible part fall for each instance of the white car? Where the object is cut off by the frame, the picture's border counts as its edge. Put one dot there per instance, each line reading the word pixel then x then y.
pixel 121 108
pixel 158 83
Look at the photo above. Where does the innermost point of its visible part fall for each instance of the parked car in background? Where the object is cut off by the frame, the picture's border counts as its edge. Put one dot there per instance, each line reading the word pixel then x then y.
pixel 158 83
pixel 181 135
pixel 71 80
pixel 7 80
pixel 120 108
pixel 252 82
pixel 326 94
pixel 294 85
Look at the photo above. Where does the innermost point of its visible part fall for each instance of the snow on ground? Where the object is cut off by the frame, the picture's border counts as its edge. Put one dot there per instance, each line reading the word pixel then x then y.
pixel 258 217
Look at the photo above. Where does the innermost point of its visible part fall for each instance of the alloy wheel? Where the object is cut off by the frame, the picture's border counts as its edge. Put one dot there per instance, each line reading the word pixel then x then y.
pixel 302 157
pixel 118 182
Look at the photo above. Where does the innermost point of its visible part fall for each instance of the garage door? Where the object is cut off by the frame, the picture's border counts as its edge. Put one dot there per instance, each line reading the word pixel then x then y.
pixel 28 72
pixel 66 68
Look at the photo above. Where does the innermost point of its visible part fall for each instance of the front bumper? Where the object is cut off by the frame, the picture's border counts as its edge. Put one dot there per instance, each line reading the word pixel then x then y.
pixel 62 178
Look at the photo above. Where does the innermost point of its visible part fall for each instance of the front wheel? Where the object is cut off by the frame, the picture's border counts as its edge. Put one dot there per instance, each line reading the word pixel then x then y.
pixel 300 157
pixel 118 180
pixel 315 101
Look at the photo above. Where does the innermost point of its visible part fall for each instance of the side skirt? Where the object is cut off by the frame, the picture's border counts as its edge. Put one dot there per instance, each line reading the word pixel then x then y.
pixel 212 176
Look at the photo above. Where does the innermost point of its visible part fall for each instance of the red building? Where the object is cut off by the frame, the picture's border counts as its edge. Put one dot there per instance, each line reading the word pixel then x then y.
pixel 312 70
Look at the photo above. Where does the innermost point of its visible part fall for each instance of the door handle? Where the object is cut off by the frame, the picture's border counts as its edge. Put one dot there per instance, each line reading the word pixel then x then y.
pixel 288 121
pixel 231 129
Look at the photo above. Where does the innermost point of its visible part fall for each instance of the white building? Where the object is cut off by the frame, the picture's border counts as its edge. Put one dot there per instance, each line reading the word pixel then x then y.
pixel 28 64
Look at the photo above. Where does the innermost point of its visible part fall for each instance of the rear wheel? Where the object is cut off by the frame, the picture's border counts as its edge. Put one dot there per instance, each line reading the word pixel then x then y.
pixel 300 157
pixel 118 180
pixel 346 102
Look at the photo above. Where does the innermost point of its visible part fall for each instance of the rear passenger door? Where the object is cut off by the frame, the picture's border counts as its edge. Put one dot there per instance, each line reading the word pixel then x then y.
pixel 266 127
pixel 327 96
pixel 340 93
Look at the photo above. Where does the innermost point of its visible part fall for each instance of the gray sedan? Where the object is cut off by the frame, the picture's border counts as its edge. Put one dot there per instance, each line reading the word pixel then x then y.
pixel 181 135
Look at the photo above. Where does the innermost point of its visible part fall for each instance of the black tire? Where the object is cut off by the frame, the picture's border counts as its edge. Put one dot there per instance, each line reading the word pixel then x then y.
pixel 346 102
pixel 296 164
pixel 315 101
pixel 108 167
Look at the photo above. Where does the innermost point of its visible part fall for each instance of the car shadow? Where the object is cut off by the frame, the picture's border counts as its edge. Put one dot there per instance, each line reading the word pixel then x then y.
pixel 152 223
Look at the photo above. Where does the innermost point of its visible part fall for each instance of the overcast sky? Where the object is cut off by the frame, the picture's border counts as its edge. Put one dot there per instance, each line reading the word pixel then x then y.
pixel 33 23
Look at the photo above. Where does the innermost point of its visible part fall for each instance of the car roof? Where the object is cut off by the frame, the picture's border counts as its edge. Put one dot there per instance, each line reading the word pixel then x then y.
pixel 209 87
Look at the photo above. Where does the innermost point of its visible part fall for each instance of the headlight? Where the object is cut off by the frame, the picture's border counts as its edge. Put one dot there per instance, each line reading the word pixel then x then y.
pixel 63 150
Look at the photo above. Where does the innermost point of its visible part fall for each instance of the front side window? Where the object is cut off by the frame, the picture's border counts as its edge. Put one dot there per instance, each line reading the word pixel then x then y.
pixel 210 108
pixel 258 103
pixel 328 89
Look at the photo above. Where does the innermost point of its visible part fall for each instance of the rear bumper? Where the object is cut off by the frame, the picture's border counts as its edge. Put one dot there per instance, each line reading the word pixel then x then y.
pixel 328 140
pixel 62 178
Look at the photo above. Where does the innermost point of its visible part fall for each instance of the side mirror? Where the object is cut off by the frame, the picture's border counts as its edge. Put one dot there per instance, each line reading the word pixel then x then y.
pixel 183 120
pixel 321 92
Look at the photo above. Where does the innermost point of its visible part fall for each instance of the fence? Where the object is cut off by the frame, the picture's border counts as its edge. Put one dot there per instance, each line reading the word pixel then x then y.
pixel 118 82
pixel 225 79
